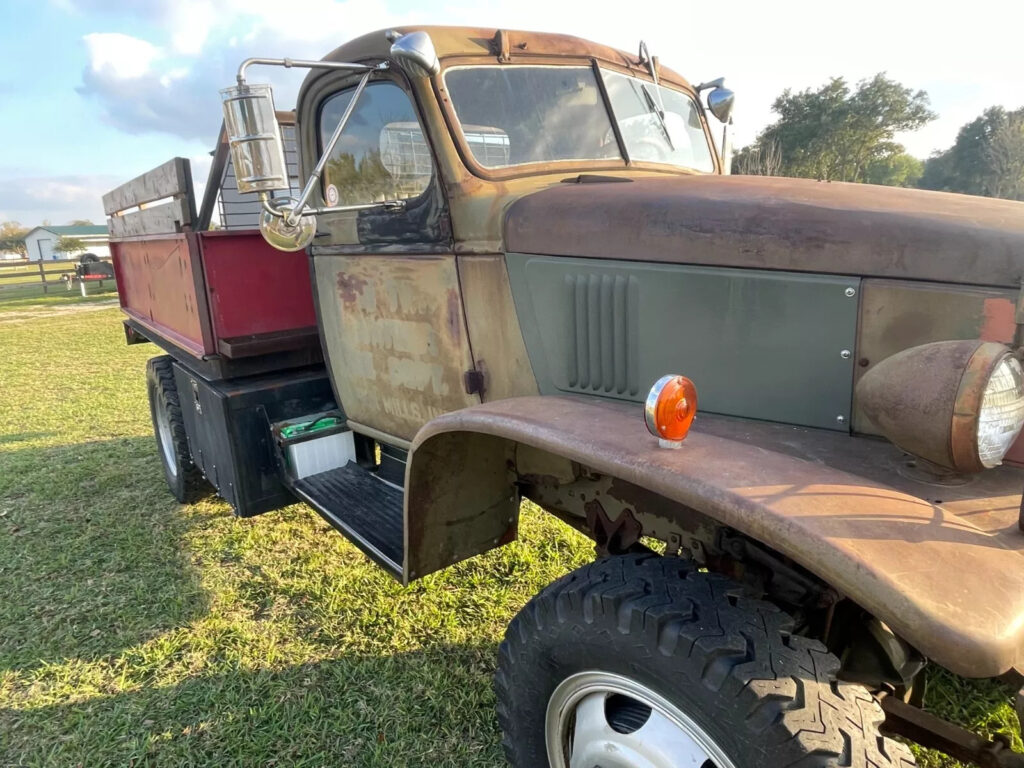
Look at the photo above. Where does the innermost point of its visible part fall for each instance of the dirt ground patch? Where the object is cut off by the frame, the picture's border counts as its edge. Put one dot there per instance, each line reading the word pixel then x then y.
pixel 31 312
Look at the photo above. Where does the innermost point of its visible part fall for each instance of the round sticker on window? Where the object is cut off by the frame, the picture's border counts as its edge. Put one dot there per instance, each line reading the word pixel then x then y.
pixel 332 194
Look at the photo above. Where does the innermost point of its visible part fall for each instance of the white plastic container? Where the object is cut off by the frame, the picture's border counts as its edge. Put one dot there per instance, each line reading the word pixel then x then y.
pixel 311 456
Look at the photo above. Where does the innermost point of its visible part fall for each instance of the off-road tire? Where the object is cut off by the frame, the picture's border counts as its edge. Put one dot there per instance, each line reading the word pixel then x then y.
pixel 184 479
pixel 767 697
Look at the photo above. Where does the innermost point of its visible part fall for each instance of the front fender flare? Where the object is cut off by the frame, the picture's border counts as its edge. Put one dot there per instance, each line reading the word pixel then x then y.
pixel 899 557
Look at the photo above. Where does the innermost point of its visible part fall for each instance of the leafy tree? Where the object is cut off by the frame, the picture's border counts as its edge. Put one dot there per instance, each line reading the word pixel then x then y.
pixel 843 134
pixel 80 223
pixel 898 170
pixel 12 238
pixel 986 159
pixel 69 245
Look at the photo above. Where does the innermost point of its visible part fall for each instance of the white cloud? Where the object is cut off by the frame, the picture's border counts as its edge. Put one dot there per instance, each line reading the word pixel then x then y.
pixel 112 54
pixel 200 174
pixel 57 198
pixel 172 85
pixel 30 199
pixel 963 60
pixel 190 22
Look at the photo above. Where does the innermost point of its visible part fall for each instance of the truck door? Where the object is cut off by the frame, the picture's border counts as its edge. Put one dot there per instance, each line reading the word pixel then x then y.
pixel 386 284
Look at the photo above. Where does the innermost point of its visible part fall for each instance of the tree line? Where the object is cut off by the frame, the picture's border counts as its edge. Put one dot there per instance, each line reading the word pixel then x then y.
pixel 843 133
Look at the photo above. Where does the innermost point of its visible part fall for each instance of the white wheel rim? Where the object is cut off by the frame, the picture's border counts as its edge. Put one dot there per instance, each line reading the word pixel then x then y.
pixel 578 733
pixel 163 431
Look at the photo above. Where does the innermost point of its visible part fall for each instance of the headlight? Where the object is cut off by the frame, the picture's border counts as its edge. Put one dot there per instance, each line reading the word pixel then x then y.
pixel 1002 411
pixel 959 404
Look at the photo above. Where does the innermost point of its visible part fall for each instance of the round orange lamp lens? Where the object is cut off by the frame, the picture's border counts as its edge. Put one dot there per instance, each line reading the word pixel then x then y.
pixel 674 407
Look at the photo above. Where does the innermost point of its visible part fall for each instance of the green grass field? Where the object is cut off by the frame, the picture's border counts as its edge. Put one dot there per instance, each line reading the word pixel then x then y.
pixel 137 631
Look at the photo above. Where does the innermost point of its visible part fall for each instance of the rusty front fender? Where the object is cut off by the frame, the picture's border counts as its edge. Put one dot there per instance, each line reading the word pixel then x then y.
pixel 953 591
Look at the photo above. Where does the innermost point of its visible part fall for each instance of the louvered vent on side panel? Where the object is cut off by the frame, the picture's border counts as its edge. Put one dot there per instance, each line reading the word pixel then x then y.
pixel 603 333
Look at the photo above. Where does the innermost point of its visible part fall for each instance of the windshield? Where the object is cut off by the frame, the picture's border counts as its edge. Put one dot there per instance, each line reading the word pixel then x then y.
pixel 517 115
pixel 542 114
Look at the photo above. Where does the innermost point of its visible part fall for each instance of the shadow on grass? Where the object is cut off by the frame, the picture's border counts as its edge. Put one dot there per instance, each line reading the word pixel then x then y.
pixel 91 560
pixel 432 707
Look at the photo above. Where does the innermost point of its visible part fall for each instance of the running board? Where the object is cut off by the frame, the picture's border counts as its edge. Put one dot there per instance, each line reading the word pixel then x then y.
pixel 367 510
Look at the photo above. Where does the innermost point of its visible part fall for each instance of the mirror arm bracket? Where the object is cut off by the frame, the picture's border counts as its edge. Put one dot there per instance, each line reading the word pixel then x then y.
pixel 280 213
pixel 304 64
pixel 314 178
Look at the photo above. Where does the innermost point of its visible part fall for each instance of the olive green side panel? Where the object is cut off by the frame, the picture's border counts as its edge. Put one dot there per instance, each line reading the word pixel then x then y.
pixel 395 338
pixel 494 331
pixel 764 345
pixel 899 314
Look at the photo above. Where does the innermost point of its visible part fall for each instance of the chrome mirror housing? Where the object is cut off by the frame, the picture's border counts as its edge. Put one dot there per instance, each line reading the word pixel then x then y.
pixel 415 53
pixel 282 234
pixel 720 103
pixel 254 137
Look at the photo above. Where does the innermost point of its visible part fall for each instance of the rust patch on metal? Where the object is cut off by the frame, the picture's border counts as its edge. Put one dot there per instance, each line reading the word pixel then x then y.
pixel 454 316
pixel 350 287
pixel 395 362
pixel 998 320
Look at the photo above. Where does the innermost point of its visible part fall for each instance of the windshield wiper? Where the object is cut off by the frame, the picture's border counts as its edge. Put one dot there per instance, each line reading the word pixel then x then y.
pixel 659 112
pixel 659 109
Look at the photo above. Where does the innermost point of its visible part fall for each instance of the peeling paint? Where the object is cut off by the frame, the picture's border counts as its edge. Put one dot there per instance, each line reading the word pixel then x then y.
pixel 393 325
pixel 350 287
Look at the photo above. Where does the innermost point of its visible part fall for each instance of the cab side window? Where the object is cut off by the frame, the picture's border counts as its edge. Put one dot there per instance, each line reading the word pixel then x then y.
pixel 382 153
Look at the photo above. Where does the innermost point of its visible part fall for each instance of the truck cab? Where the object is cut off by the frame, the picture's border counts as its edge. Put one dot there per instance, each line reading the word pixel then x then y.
pixel 507 114
pixel 772 402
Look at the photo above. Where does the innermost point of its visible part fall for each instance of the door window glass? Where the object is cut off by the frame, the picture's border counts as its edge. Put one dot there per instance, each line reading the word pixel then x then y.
pixel 382 153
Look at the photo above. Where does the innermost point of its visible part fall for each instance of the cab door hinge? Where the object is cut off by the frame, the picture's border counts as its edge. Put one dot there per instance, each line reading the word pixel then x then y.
pixel 474 380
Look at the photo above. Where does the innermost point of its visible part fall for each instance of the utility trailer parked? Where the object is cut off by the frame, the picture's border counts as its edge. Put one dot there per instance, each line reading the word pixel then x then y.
pixel 512 245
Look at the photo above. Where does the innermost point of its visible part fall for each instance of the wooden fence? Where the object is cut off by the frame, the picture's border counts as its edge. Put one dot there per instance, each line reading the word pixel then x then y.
pixel 58 273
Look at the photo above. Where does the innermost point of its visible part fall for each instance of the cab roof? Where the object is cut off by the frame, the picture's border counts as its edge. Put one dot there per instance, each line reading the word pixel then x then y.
pixel 505 45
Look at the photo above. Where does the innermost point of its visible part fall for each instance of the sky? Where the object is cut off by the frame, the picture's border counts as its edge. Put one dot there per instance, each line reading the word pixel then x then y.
pixel 95 92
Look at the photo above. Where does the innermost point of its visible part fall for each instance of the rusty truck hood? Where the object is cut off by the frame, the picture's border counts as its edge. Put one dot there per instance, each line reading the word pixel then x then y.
pixel 765 222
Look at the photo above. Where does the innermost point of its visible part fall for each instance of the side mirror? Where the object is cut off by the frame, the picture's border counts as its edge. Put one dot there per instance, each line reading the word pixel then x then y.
pixel 720 103
pixel 254 136
pixel 282 233
pixel 415 53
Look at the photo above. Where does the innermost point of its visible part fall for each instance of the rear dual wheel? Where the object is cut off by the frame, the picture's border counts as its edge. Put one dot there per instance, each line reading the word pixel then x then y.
pixel 184 479
pixel 643 661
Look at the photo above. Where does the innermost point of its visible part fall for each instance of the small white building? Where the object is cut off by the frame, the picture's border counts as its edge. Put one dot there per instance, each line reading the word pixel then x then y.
pixel 40 241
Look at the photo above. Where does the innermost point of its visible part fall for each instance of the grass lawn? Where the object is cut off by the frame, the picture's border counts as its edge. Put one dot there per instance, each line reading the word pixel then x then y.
pixel 137 631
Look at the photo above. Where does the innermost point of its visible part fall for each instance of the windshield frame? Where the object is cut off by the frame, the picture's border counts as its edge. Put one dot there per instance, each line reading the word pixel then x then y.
pixel 623 163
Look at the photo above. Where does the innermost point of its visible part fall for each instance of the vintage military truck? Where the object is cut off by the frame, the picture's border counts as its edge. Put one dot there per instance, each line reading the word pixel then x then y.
pixel 524 263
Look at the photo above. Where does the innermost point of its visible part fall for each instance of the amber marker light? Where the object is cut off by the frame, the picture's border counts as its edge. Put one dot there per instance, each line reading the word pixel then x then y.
pixel 670 408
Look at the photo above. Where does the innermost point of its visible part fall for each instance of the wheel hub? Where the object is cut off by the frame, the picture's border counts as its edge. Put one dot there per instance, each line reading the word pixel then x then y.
pixel 603 720
pixel 163 430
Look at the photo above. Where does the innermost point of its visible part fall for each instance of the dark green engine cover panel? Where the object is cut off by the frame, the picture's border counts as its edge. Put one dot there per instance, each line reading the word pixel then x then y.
pixel 762 345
